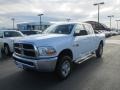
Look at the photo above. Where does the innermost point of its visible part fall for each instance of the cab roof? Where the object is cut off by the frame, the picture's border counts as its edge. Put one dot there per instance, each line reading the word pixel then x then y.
pixel 61 23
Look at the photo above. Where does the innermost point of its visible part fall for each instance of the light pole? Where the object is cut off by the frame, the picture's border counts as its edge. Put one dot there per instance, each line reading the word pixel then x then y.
pixel 68 19
pixel 13 19
pixel 98 4
pixel 110 19
pixel 117 24
pixel 40 21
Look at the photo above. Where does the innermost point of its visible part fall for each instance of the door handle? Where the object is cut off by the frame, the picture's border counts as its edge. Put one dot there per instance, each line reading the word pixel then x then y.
pixel 76 45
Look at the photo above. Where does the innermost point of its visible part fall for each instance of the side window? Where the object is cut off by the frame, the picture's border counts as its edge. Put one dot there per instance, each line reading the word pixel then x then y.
pixel 89 29
pixel 1 35
pixel 12 34
pixel 80 30
pixel 7 34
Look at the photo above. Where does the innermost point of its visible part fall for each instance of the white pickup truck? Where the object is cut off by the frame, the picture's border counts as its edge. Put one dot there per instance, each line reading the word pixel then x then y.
pixel 58 47
pixel 7 38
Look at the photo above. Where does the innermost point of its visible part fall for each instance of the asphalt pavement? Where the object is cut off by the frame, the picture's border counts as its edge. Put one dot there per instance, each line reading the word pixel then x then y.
pixel 94 74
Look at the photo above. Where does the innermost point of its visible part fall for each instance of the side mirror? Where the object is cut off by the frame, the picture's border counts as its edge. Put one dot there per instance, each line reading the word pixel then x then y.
pixel 83 32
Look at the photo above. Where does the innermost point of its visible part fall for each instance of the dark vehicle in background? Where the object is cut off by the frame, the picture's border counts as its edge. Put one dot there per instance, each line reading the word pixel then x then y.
pixel 101 28
pixel 33 32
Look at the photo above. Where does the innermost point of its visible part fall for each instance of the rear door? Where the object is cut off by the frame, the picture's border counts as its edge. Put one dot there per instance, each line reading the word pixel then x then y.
pixel 92 37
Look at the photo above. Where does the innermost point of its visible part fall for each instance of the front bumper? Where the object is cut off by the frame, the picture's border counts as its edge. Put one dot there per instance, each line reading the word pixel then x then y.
pixel 44 64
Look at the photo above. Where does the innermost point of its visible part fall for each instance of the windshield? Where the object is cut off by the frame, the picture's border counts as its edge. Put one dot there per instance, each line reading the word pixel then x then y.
pixel 12 34
pixel 59 29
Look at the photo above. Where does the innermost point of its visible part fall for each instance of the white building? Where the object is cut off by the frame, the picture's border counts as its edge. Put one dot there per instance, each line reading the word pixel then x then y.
pixel 33 26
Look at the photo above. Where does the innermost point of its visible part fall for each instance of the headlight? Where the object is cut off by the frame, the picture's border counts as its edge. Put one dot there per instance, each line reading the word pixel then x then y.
pixel 46 51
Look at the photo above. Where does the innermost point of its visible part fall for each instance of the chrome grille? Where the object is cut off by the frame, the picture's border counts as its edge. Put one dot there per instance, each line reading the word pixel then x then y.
pixel 27 50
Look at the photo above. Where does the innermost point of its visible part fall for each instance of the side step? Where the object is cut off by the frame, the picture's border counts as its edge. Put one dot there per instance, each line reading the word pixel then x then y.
pixel 84 59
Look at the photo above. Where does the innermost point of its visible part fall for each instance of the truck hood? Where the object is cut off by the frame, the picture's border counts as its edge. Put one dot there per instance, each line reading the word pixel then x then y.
pixel 14 38
pixel 44 39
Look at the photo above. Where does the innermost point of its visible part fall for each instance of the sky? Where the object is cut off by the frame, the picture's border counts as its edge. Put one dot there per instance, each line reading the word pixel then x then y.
pixel 57 10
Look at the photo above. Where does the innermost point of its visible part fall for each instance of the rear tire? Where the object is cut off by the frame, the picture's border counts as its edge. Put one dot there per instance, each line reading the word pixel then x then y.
pixel 63 68
pixel 99 51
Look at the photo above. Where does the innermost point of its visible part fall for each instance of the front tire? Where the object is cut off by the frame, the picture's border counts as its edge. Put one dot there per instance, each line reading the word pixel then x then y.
pixel 99 51
pixel 6 50
pixel 27 70
pixel 63 68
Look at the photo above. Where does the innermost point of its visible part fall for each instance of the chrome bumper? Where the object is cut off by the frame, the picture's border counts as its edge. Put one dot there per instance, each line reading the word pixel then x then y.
pixel 44 64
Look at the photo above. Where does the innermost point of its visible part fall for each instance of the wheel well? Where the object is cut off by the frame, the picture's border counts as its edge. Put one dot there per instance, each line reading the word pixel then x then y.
pixel 66 52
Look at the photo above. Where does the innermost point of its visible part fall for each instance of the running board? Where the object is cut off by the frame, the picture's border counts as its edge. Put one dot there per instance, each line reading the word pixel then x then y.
pixel 83 59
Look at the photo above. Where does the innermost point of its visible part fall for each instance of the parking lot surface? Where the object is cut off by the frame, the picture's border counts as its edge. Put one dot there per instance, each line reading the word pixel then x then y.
pixel 94 74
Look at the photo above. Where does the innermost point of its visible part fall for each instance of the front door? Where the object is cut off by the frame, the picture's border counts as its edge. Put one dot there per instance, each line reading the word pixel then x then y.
pixel 81 41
